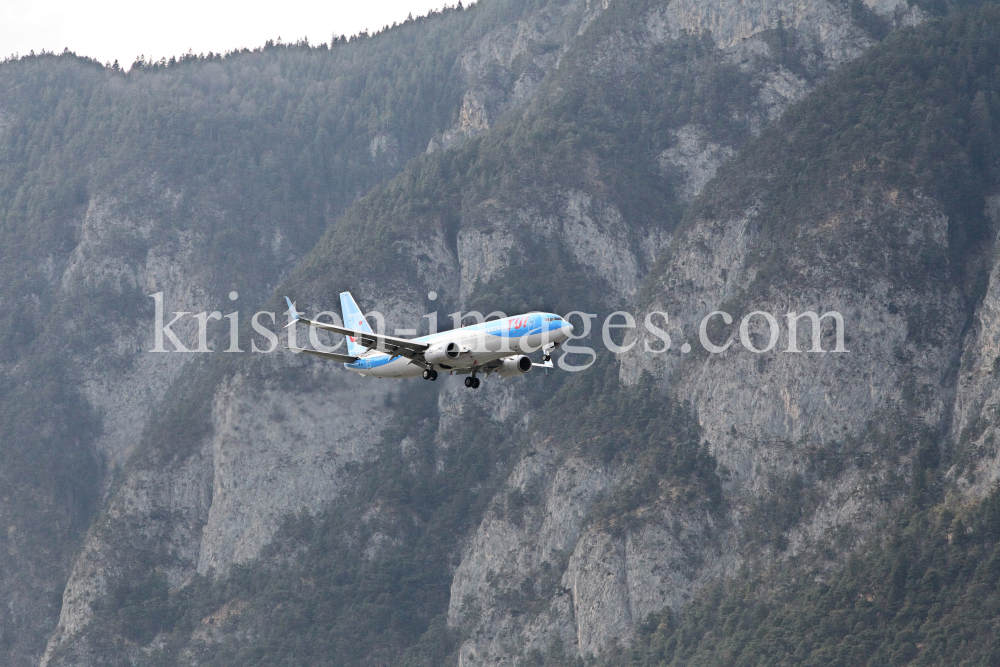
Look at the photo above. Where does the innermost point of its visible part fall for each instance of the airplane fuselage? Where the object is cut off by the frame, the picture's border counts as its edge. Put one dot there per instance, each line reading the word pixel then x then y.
pixel 471 347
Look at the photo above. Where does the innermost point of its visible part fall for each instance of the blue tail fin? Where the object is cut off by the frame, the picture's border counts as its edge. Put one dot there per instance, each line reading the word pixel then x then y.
pixel 353 319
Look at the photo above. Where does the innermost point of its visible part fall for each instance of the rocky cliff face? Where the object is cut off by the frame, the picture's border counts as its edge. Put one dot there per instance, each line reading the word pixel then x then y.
pixel 271 454
pixel 505 68
pixel 971 424
pixel 546 579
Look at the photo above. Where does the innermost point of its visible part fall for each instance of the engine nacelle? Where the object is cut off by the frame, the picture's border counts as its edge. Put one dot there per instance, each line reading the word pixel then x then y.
pixel 447 355
pixel 514 366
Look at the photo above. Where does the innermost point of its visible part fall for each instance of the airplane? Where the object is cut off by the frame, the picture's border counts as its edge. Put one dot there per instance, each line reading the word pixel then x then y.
pixel 497 346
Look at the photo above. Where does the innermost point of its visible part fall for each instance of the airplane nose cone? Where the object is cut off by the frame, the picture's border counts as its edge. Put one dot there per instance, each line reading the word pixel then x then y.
pixel 566 330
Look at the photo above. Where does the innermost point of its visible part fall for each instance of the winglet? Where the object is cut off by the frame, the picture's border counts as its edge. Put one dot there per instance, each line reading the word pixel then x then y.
pixel 291 311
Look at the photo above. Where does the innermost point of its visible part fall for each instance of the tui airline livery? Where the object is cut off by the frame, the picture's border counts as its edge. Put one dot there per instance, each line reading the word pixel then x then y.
pixel 498 346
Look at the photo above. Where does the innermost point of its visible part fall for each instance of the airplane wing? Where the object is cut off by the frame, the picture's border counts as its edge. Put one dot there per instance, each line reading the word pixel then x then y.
pixel 397 347
pixel 333 356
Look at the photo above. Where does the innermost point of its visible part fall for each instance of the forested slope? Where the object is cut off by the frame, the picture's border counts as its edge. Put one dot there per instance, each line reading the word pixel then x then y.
pixel 925 594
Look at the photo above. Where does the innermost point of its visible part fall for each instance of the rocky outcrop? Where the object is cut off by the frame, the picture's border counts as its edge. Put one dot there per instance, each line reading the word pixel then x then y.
pixel 827 24
pixel 115 252
pixel 617 580
pixel 385 148
pixel 275 453
pixel 696 158
pixel 540 573
pixel 973 426
pixel 505 68
pixel 511 579
pixel 272 453
pixel 158 510
pixel 591 230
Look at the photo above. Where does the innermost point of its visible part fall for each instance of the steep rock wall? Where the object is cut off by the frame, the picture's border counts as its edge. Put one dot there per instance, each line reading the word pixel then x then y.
pixel 973 427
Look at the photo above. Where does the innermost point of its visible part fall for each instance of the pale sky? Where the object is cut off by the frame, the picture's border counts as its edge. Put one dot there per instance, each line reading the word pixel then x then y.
pixel 124 29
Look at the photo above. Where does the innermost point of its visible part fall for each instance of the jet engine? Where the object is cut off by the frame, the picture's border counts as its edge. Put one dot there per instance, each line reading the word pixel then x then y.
pixel 446 355
pixel 514 366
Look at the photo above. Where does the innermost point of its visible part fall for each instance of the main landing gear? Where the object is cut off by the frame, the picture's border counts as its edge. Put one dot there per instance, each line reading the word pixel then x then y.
pixel 547 356
pixel 472 382
pixel 430 374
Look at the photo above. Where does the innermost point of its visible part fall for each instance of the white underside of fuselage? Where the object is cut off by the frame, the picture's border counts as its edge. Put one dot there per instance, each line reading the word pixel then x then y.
pixel 481 350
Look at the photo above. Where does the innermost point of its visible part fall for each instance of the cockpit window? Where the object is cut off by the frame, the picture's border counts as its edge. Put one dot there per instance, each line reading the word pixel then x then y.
pixel 551 319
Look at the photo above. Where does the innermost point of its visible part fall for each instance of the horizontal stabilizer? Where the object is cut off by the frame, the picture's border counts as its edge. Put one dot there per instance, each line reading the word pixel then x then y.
pixel 292 312
pixel 332 356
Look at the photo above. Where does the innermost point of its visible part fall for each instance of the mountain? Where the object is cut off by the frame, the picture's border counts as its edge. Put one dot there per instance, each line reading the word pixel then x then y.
pixel 213 508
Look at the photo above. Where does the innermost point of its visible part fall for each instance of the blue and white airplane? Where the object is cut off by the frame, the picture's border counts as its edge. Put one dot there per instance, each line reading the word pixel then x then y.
pixel 498 346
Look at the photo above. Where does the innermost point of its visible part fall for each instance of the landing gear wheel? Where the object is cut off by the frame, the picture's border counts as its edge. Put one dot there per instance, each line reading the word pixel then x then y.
pixel 475 383
pixel 434 375
pixel 468 382
pixel 428 374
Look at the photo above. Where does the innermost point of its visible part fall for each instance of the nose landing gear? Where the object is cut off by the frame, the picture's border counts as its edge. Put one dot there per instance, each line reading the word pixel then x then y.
pixel 430 374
